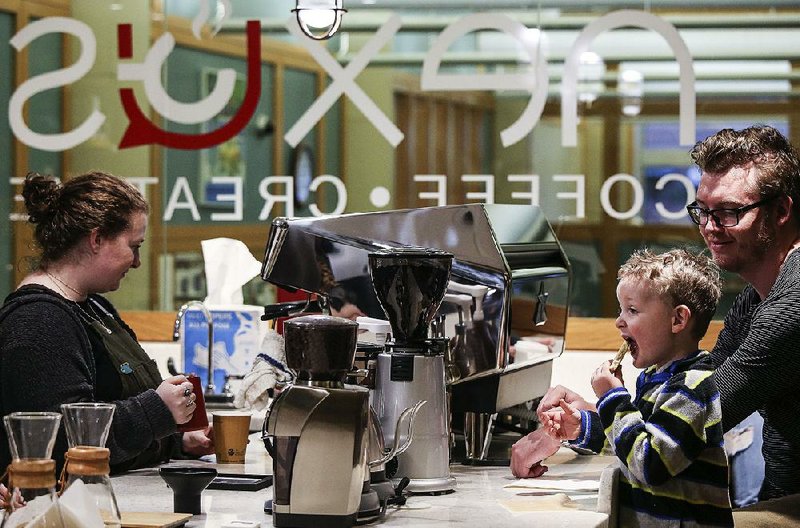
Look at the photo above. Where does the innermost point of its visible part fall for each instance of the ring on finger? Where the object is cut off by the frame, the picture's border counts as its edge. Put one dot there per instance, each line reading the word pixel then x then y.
pixel 187 391
pixel 190 403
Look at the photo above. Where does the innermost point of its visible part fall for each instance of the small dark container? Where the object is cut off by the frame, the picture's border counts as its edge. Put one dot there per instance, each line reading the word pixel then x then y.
pixel 187 485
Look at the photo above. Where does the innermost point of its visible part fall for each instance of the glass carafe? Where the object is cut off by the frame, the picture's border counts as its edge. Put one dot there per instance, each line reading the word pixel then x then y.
pixel 31 474
pixel 87 459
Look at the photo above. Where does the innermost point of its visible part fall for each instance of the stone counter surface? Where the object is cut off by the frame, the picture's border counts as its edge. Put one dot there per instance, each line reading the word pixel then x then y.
pixel 476 501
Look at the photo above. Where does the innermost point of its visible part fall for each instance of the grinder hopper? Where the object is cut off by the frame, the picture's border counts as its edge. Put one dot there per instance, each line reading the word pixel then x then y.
pixel 410 284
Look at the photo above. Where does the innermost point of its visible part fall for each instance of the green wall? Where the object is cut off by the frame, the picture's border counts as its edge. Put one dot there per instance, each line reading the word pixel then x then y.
pixel 47 119
pixel 186 69
pixel 370 159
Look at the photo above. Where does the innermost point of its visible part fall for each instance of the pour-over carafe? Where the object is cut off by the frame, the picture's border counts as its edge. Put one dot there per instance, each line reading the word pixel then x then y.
pixel 410 284
pixel 31 436
pixel 87 460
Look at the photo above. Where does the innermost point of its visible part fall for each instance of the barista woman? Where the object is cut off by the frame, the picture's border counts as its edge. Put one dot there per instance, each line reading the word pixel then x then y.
pixel 62 342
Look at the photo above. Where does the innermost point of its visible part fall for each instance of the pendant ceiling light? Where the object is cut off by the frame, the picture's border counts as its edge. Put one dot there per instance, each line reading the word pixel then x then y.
pixel 319 19
pixel 591 69
pixel 631 87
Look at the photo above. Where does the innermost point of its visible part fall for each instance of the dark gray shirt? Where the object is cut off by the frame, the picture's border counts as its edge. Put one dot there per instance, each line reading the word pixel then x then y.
pixel 757 356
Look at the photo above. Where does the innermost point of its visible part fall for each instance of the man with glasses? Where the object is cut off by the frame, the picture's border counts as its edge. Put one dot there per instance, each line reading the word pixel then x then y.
pixel 748 212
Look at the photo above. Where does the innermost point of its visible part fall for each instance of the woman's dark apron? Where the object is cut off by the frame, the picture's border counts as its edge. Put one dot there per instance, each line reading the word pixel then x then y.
pixel 137 371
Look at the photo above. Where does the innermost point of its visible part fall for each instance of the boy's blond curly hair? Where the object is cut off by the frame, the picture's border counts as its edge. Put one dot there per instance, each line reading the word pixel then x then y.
pixel 679 277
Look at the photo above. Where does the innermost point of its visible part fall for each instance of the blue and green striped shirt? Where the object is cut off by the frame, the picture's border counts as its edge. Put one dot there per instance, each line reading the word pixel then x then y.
pixel 669 444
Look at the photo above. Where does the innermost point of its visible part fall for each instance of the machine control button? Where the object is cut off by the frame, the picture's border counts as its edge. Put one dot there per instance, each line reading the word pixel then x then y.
pixel 402 368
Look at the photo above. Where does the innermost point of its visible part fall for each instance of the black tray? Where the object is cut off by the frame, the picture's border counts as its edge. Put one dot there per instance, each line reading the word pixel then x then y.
pixel 240 482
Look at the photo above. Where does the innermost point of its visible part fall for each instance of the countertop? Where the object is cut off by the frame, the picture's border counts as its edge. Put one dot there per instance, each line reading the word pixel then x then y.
pixel 476 501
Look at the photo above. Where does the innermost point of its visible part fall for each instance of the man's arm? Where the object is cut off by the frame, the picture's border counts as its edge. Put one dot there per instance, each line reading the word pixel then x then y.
pixel 753 360
pixel 528 453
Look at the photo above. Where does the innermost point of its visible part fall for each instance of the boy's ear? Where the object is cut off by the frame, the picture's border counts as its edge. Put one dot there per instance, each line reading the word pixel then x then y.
pixel 681 315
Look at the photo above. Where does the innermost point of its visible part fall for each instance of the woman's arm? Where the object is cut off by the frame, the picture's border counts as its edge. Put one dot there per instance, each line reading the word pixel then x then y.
pixel 46 360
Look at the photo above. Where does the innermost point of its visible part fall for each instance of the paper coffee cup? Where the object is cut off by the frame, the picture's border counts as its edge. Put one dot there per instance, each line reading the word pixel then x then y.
pixel 231 429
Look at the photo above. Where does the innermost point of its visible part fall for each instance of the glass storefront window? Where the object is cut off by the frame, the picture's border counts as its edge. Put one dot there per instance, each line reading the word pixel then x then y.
pixel 384 137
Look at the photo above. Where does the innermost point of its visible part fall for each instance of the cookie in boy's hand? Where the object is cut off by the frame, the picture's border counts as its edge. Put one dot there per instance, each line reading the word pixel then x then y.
pixel 624 349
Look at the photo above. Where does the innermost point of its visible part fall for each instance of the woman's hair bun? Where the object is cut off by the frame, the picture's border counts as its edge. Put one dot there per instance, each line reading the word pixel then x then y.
pixel 41 195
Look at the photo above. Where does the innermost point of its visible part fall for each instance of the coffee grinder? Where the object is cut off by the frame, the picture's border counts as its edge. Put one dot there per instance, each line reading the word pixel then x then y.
pixel 316 429
pixel 410 284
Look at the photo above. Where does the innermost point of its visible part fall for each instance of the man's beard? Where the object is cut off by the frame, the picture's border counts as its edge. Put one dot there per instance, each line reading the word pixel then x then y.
pixel 758 248
pixel 765 238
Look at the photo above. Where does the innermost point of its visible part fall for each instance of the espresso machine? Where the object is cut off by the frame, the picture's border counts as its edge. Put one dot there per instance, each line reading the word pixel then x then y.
pixel 510 280
pixel 410 284
pixel 316 429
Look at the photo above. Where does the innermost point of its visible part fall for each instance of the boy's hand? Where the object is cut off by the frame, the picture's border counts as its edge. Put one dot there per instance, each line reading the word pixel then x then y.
pixel 563 423
pixel 603 380
pixel 555 394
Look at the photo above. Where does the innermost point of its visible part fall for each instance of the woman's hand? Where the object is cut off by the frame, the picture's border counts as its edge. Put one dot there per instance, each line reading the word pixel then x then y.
pixel 176 393
pixel 199 443
pixel 6 500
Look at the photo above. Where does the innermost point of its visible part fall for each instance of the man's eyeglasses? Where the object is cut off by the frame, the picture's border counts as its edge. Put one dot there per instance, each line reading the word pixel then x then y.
pixel 722 217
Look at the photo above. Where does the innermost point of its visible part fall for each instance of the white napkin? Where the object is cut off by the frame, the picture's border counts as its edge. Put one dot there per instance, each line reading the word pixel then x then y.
pixel 555 502
pixel 560 484
pixel 229 265
pixel 78 510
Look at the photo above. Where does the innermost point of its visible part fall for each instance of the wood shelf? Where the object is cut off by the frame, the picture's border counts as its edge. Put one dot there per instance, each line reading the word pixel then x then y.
pixel 583 333
pixel 590 333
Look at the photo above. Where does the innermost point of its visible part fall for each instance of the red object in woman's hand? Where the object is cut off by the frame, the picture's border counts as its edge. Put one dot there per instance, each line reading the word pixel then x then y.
pixel 199 419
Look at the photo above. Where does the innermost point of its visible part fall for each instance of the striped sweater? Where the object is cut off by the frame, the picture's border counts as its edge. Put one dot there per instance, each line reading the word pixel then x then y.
pixel 669 444
pixel 757 358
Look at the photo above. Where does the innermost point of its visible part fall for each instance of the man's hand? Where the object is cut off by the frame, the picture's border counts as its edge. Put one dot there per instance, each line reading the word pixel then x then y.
pixel 553 397
pixel 529 451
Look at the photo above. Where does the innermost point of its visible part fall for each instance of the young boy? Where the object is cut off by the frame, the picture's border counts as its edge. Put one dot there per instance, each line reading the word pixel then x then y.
pixel 669 437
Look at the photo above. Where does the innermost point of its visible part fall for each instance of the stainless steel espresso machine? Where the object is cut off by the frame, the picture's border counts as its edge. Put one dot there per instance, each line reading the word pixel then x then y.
pixel 410 284
pixel 509 285
pixel 317 428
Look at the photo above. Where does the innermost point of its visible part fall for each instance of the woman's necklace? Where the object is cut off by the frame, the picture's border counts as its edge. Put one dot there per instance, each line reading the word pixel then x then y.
pixel 58 282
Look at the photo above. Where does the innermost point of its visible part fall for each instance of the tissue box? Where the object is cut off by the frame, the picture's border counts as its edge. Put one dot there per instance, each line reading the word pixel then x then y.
pixel 238 332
